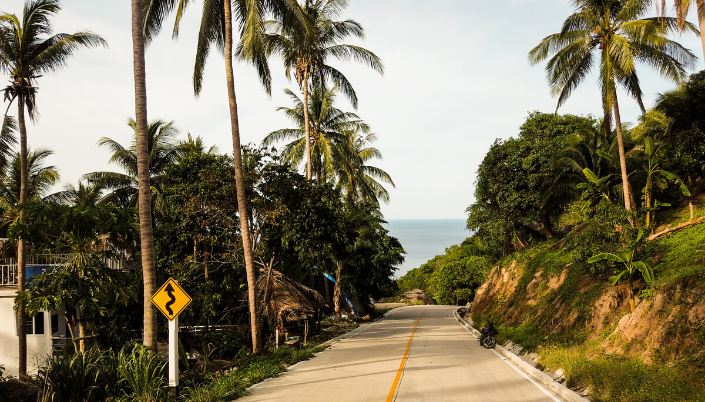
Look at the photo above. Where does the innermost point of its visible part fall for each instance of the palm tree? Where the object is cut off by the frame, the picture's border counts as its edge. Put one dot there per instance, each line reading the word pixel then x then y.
pixel 41 177
pixel 306 50
pixel 144 188
pixel 85 194
pixel 195 145
pixel 612 30
pixel 359 181
pixel 587 161
pixel 8 139
pixel 217 30
pixel 327 128
pixel 27 51
pixel 682 7
pixel 339 146
pixel 162 150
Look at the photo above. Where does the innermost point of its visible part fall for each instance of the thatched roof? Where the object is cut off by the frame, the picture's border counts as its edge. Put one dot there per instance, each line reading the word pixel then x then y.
pixel 283 299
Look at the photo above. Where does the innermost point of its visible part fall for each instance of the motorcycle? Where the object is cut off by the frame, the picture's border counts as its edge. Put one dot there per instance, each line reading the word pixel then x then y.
pixel 488 336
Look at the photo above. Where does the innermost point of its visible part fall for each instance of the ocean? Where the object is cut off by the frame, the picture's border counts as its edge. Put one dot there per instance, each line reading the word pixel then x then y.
pixel 424 239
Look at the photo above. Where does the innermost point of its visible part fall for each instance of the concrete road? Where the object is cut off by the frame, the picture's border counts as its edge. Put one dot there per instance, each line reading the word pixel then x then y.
pixel 383 362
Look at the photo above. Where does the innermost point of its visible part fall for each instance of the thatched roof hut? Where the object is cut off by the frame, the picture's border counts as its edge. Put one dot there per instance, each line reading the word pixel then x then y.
pixel 283 299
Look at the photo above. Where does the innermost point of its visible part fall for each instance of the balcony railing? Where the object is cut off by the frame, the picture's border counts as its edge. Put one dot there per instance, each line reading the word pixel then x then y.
pixel 8 272
pixel 38 263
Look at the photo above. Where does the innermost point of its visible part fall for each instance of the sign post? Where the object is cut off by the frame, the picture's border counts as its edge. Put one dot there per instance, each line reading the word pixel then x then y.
pixel 174 357
pixel 171 300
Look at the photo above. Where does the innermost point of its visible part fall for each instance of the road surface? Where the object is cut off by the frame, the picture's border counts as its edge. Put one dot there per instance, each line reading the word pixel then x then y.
pixel 415 354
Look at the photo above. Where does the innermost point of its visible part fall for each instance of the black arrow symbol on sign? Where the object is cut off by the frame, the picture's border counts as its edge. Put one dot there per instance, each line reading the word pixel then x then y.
pixel 170 291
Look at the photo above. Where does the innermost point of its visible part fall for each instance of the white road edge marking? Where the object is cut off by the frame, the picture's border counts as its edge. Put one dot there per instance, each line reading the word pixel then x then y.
pixel 544 390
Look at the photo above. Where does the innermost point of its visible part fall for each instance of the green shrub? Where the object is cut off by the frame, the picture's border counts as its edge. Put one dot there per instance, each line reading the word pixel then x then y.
pixel 600 236
pixel 681 260
pixel 224 388
pixel 143 375
pixel 455 280
pixel 72 378
pixel 104 375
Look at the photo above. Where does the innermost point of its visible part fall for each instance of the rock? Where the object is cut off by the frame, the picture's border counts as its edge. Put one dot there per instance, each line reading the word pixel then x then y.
pixel 417 295
pixel 532 287
pixel 696 315
pixel 557 281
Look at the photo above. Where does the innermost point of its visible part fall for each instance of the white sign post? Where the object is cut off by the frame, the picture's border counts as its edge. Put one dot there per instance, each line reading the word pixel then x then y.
pixel 171 300
pixel 174 357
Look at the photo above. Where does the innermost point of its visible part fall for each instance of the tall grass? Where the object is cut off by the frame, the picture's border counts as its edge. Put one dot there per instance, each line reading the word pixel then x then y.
pixel 622 379
pixel 97 375
pixel 72 378
pixel 252 370
pixel 143 375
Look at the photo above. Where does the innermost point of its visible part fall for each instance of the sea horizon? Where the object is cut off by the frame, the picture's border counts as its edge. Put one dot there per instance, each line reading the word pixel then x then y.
pixel 423 239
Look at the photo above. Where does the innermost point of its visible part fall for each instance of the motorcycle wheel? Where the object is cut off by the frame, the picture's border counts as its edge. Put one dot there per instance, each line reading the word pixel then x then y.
pixel 489 342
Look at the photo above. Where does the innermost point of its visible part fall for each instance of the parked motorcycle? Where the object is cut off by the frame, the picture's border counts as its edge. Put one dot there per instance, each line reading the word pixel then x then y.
pixel 488 336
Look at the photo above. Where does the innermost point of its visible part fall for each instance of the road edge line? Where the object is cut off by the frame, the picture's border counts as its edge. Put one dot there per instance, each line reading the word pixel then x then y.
pixel 514 361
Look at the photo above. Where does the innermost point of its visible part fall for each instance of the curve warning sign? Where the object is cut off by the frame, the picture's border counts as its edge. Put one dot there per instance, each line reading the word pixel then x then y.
pixel 170 299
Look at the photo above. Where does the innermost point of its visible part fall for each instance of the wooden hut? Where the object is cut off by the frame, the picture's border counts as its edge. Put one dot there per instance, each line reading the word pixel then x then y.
pixel 283 300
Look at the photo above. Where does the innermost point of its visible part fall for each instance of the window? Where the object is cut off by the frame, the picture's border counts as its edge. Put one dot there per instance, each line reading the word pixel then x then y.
pixel 54 323
pixel 35 325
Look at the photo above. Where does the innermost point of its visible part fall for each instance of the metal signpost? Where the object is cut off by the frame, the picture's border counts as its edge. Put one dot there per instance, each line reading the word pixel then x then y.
pixel 171 300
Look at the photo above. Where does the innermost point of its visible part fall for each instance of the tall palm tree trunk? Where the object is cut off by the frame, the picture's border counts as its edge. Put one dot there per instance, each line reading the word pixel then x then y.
pixel 82 331
pixel 21 251
pixel 622 158
pixel 307 129
pixel 700 4
pixel 337 294
pixel 145 205
pixel 240 181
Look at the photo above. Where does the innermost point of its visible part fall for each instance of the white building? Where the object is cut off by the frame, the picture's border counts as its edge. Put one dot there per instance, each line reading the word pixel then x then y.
pixel 47 332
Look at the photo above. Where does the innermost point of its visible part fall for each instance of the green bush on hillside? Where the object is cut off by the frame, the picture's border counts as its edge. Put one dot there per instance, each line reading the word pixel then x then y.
pixel 455 281
pixel 452 277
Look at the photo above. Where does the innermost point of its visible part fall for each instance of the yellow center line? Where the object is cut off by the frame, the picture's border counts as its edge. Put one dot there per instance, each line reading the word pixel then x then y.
pixel 390 397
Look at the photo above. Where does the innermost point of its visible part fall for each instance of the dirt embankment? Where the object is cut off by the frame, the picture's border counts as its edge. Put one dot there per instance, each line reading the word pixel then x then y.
pixel 662 327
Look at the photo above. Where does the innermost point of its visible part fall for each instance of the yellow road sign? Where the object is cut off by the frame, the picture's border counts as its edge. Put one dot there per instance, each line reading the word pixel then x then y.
pixel 170 299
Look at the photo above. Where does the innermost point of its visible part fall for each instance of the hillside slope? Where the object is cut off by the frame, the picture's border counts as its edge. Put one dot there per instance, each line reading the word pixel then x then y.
pixel 547 302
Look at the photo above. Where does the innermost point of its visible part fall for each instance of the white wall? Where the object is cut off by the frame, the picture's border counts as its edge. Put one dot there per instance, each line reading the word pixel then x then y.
pixel 38 346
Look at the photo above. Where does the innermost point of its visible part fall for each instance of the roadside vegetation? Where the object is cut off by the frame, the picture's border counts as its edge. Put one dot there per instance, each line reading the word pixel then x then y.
pixel 249 234
pixel 571 210
pixel 590 228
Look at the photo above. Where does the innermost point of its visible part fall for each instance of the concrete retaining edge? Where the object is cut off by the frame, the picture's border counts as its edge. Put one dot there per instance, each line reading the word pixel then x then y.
pixel 359 329
pixel 538 375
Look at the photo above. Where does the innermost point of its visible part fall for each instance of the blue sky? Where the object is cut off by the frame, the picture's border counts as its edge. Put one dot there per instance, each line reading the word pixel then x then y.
pixel 456 78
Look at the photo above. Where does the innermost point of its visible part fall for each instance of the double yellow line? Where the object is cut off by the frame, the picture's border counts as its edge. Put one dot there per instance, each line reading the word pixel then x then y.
pixel 390 397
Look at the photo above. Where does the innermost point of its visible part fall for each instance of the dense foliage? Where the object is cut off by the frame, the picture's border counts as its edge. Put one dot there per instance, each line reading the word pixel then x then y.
pixel 560 178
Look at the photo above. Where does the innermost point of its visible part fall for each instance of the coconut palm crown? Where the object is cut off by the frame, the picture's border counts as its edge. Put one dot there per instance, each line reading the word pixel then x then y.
pixel 306 50
pixel 340 146
pixel 27 51
pixel 162 149
pixel 681 8
pixel 612 34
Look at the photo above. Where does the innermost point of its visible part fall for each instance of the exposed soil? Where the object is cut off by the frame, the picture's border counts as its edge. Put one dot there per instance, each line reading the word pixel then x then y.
pixel 14 390
pixel 663 327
